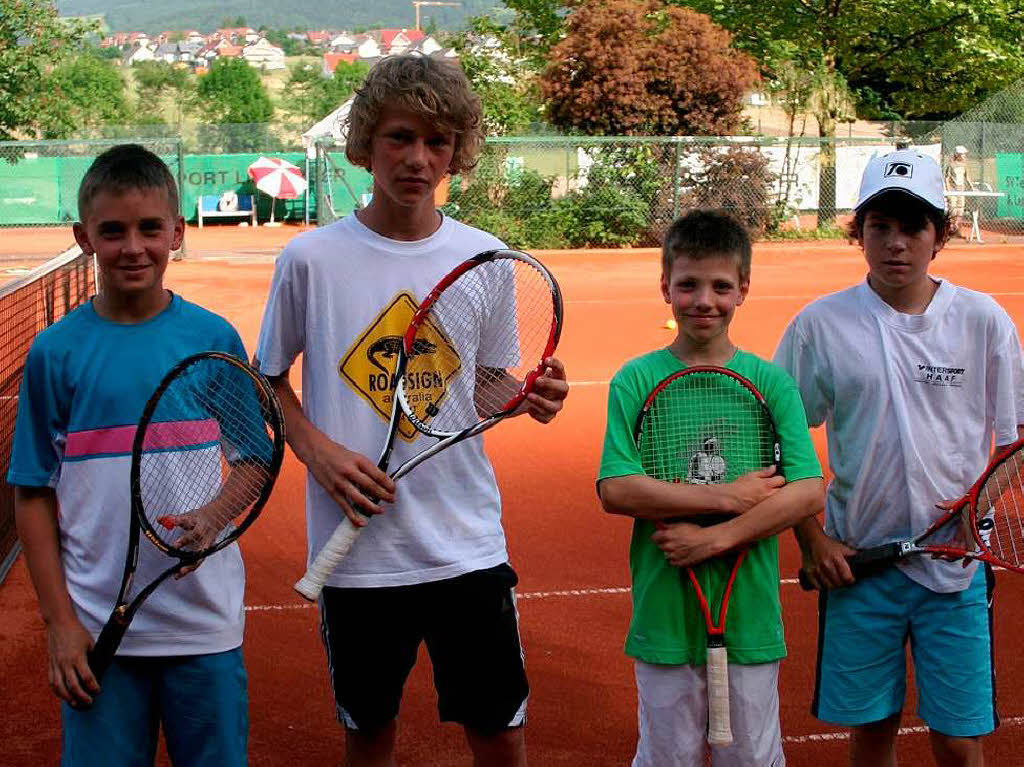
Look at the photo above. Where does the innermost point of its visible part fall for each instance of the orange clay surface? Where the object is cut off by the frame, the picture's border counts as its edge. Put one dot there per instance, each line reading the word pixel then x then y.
pixel 574 595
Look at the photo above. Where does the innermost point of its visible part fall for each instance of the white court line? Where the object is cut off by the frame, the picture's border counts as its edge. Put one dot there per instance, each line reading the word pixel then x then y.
pixel 521 595
pixel 817 737
pixel 1011 721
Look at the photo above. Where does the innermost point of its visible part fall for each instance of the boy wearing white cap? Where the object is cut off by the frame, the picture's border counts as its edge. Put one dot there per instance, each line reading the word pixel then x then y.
pixel 957 180
pixel 914 378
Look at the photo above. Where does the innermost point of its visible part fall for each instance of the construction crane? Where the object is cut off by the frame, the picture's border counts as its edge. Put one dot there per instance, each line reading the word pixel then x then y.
pixel 417 3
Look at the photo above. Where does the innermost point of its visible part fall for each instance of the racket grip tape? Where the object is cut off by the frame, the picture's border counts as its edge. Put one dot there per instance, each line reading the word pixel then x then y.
pixel 331 555
pixel 719 726
pixel 865 562
pixel 102 653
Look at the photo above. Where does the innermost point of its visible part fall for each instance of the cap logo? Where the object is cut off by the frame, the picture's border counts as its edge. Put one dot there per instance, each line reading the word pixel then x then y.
pixel 901 169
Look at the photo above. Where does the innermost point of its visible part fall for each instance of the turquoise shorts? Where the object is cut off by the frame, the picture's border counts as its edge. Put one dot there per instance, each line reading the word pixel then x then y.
pixel 862 660
pixel 199 699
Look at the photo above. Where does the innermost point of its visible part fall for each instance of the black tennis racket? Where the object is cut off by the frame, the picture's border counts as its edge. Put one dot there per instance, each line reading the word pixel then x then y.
pixel 708 425
pixel 987 524
pixel 484 332
pixel 206 452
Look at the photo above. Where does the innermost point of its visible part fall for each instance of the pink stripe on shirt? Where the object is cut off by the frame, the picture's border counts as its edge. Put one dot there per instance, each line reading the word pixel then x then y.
pixel 159 436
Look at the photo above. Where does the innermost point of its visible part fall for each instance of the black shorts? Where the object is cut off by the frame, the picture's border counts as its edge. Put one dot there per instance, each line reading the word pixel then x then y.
pixel 471 628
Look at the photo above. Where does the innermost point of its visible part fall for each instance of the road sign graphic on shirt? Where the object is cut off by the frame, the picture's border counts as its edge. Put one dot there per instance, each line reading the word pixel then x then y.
pixel 368 366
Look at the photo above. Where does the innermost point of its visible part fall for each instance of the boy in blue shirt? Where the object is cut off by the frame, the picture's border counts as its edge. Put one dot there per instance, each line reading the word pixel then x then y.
pixel 85 383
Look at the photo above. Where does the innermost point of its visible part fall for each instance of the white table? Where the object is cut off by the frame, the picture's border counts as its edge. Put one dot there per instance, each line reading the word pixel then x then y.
pixel 975 231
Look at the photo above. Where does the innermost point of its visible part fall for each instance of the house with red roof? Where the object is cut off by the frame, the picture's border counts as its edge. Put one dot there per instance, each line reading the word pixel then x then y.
pixel 331 60
pixel 396 41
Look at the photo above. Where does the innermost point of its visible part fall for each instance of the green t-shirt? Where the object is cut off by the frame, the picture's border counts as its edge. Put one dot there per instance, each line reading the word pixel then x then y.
pixel 667 626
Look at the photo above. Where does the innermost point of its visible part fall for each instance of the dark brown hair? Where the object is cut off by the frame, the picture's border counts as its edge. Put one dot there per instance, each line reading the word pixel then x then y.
pixel 707 234
pixel 122 168
pixel 912 212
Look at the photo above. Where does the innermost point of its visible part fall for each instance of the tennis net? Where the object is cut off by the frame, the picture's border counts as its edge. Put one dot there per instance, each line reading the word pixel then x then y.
pixel 29 304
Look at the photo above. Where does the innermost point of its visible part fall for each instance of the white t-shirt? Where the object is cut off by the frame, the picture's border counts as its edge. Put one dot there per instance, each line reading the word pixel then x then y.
pixel 342 296
pixel 910 403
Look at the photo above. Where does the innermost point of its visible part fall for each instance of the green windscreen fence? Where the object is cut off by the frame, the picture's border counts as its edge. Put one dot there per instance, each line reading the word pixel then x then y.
pixel 39 180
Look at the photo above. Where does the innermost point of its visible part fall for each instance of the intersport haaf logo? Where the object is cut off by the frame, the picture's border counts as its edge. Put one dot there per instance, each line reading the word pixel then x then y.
pixel 938 375
pixel 369 365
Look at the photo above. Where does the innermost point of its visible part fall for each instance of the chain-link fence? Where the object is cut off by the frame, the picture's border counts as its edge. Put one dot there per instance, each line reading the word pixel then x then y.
pixel 39 179
pixel 557 191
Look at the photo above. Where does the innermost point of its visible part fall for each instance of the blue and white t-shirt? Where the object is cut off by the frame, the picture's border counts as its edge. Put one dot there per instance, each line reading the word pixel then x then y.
pixel 85 384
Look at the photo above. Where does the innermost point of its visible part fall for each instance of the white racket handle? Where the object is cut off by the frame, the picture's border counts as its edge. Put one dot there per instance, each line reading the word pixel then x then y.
pixel 334 551
pixel 719 727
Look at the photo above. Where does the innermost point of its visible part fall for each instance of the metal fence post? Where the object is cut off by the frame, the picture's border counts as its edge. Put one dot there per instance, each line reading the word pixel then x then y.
pixel 675 177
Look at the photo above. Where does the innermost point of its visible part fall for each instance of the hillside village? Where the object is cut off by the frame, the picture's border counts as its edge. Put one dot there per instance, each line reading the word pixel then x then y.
pixel 198 51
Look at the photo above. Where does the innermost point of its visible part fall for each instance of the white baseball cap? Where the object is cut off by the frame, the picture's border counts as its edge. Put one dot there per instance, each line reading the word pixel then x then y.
pixel 959 149
pixel 906 170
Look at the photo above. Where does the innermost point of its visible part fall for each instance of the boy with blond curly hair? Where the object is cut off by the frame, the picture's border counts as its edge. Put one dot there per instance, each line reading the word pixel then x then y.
pixel 434 568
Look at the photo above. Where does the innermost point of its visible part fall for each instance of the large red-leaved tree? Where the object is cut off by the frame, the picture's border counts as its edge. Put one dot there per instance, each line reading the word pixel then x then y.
pixel 644 68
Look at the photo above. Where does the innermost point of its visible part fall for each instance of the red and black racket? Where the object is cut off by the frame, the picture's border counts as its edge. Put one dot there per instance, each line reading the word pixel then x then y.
pixel 480 336
pixel 985 524
pixel 708 425
pixel 205 456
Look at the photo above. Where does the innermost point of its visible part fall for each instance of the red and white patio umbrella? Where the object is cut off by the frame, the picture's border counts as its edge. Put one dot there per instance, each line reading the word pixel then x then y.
pixel 278 178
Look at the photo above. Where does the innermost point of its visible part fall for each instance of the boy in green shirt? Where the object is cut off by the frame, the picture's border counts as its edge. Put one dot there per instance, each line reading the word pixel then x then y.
pixel 705 277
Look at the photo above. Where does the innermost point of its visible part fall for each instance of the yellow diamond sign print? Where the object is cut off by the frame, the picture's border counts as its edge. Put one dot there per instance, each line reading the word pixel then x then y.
pixel 369 365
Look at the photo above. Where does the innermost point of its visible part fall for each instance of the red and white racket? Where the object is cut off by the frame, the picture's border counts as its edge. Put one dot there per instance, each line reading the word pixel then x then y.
pixel 485 329
pixel 707 425
pixel 985 524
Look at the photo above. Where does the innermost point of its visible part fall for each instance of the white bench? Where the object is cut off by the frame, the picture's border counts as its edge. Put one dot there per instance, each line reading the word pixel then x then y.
pixel 207 207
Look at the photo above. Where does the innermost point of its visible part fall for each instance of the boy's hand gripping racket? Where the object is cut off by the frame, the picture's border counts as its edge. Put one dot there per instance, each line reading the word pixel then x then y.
pixel 986 524
pixel 708 425
pixel 206 452
pixel 485 329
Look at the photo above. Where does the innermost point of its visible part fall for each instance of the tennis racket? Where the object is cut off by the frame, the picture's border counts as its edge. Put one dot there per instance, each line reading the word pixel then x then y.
pixel 485 329
pixel 205 455
pixel 986 524
pixel 708 425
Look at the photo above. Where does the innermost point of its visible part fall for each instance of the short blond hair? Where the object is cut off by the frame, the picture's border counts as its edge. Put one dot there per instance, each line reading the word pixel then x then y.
pixel 436 90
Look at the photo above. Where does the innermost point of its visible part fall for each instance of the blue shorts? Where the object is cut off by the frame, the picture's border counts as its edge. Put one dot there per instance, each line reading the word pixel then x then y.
pixel 862 667
pixel 199 699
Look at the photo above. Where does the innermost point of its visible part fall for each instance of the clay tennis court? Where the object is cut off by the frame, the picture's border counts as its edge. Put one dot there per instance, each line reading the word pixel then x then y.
pixel 574 597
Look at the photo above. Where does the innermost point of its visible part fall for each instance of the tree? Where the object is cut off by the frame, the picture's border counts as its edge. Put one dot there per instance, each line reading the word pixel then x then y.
pixel 311 95
pixel 232 92
pixel 88 93
pixel 32 40
pixel 157 83
pixel 670 71
pixel 233 100
pixel 504 77
pixel 918 58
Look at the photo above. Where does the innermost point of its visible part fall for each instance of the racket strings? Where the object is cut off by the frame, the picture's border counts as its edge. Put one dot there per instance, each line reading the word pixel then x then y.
pixel 206 456
pixel 705 428
pixel 1000 510
pixel 482 337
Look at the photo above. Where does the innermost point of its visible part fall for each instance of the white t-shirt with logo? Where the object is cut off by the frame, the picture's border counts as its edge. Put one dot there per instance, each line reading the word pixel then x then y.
pixel 342 296
pixel 911 403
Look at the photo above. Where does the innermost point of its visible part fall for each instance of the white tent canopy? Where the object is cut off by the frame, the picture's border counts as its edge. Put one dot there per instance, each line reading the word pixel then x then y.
pixel 333 125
